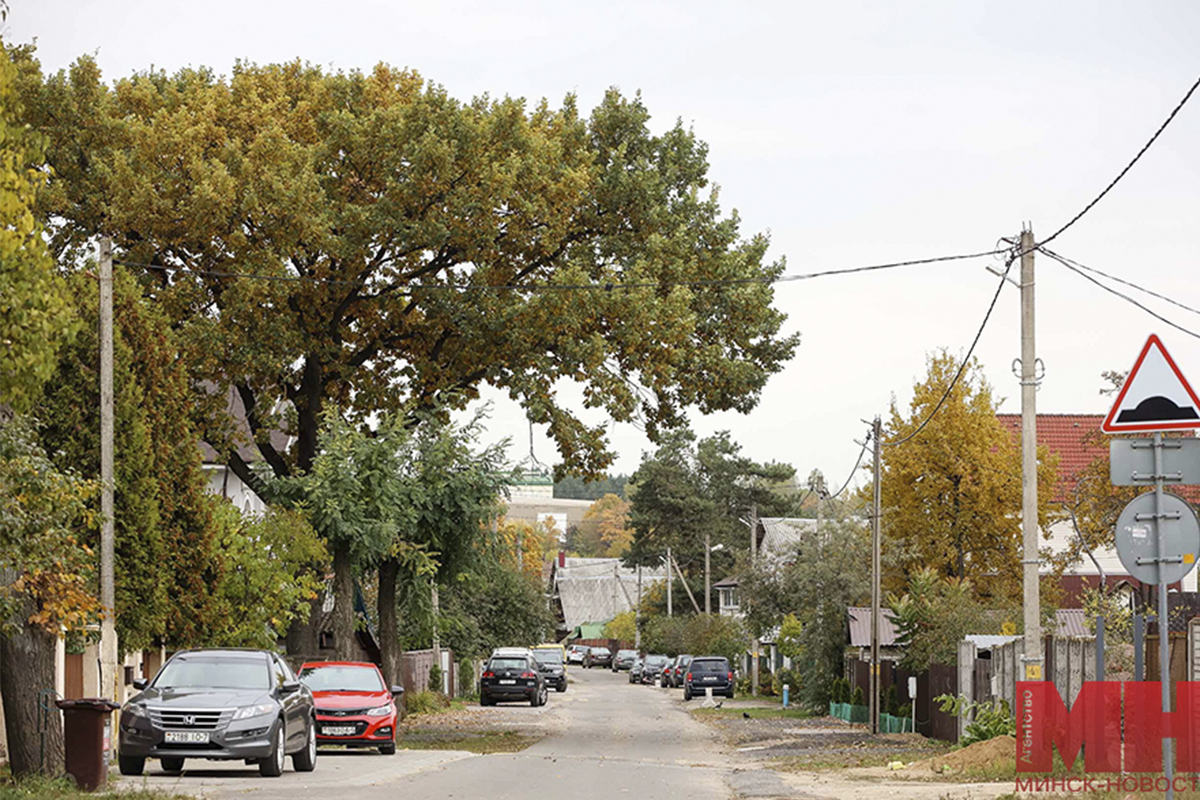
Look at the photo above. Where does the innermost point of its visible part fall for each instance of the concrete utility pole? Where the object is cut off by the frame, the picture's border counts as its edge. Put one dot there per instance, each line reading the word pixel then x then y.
pixel 683 580
pixel 670 580
pixel 437 634
pixel 108 632
pixel 753 559
pixel 707 574
pixel 876 545
pixel 637 615
pixel 1029 496
pixel 616 583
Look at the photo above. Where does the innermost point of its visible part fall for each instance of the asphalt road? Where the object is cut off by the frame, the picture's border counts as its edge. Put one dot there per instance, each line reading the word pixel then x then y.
pixel 605 738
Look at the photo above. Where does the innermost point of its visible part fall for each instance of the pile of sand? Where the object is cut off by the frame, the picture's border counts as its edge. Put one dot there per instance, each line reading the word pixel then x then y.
pixel 979 756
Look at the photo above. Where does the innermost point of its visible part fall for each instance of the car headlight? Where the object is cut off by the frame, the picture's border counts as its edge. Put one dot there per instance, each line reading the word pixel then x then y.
pixel 255 711
pixel 135 710
pixel 380 711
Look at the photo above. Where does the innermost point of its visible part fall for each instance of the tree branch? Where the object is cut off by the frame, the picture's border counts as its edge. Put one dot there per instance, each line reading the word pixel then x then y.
pixel 274 460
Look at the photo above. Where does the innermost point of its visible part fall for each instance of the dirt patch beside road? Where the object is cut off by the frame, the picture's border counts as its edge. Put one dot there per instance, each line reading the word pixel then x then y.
pixel 497 729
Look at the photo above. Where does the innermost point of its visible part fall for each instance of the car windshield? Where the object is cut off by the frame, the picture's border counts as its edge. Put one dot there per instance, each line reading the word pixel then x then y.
pixel 713 665
pixel 600 651
pixel 212 673
pixel 656 661
pixel 548 656
pixel 625 654
pixel 507 663
pixel 341 679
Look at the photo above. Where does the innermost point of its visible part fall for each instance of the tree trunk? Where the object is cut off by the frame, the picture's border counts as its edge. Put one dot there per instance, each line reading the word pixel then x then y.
pixel 389 629
pixel 343 603
pixel 26 669
pixel 303 636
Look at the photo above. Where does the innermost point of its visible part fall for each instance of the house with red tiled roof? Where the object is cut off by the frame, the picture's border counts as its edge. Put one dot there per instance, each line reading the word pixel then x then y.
pixel 1077 441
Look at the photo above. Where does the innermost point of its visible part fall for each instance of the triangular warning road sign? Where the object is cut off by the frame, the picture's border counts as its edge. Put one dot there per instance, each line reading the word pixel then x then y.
pixel 1155 395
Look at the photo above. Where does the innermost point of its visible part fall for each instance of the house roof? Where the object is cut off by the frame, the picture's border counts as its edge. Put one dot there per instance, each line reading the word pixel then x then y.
pixel 779 536
pixel 1074 438
pixel 860 627
pixel 244 439
pixel 597 589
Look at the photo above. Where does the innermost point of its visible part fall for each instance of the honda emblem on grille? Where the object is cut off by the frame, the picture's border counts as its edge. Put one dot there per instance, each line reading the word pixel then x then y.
pixel 189 719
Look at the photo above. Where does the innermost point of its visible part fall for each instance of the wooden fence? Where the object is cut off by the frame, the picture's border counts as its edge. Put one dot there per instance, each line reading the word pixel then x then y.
pixel 414 671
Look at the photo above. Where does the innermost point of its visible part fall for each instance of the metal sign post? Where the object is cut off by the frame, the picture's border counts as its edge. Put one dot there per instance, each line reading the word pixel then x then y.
pixel 1157 534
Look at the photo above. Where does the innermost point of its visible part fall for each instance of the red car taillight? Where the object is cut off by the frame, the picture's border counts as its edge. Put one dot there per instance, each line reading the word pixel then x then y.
pixel 731 676
pixel 528 675
pixel 489 674
pixel 689 676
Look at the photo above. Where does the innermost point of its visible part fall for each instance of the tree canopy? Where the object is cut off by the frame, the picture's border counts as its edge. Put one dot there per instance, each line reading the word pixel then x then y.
pixel 421 245
pixel 952 495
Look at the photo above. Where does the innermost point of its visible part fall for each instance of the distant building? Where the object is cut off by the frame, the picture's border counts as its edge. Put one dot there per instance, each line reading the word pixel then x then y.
pixel 594 590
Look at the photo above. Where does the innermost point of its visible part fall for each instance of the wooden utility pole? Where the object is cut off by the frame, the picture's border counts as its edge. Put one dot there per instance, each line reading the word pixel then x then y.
pixel 637 614
pixel 707 574
pixel 1029 493
pixel 876 544
pixel 670 580
pixel 108 631
pixel 683 580
pixel 753 560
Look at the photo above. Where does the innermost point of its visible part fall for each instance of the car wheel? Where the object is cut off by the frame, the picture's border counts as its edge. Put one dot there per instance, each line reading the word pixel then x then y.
pixel 172 765
pixel 272 765
pixel 132 765
pixel 687 695
pixel 388 749
pixel 484 700
pixel 306 759
pixel 562 687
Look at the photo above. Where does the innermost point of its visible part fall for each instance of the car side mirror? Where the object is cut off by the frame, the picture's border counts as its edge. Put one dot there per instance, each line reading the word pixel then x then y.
pixel 397 690
pixel 288 687
pixel 140 683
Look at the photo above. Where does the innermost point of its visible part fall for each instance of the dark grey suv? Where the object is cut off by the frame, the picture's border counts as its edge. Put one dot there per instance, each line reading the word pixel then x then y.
pixel 220 705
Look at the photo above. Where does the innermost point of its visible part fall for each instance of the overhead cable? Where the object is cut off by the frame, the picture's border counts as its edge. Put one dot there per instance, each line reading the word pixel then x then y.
pixel 558 287
pixel 1128 166
pixel 1121 295
pixel 1114 278
pixel 857 463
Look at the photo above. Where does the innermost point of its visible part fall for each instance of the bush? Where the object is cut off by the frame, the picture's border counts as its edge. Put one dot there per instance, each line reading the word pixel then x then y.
pixel 891 701
pixel 992 719
pixel 435 678
pixel 425 702
pixel 466 678
pixel 904 710
pixel 791 678
pixel 857 698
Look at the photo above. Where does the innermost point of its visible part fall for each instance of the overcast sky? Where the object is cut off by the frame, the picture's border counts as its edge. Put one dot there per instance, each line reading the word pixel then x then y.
pixel 854 132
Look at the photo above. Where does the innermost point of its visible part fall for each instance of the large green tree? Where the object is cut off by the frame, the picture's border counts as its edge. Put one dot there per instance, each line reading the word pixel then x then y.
pixel 35 312
pixel 408 231
pixel 952 495
pixel 691 492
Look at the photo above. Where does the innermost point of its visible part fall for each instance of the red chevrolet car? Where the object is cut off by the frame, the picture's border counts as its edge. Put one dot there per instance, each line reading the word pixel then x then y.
pixel 354 706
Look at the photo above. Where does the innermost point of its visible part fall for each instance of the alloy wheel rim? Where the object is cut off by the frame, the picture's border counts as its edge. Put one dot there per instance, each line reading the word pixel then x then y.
pixel 279 749
pixel 312 743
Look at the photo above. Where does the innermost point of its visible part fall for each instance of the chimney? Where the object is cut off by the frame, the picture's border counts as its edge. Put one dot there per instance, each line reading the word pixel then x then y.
pixel 562 558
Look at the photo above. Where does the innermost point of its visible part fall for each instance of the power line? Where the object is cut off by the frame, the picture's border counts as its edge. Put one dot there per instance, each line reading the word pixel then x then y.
pixel 607 286
pixel 857 464
pixel 1128 166
pixel 1116 279
pixel 966 359
pixel 1121 295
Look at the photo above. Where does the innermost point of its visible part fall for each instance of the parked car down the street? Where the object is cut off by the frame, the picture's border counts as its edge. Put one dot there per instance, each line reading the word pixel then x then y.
pixel 635 671
pixel 598 657
pixel 576 653
pixel 652 665
pixel 678 670
pixel 355 706
pixel 221 705
pixel 512 678
pixel 552 667
pixel 708 672
pixel 664 674
pixel 623 660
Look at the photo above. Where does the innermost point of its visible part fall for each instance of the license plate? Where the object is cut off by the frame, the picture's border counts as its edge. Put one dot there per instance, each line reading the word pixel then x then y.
pixel 508 683
pixel 186 737
pixel 710 678
pixel 337 730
